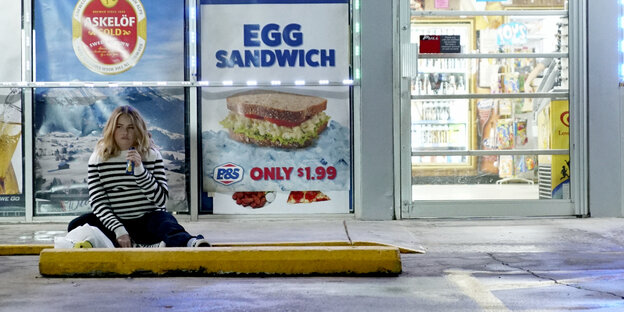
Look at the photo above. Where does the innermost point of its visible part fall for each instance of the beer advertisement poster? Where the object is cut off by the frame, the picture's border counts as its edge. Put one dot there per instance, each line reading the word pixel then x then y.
pixel 11 166
pixel 108 40
pixel 271 143
pixel 105 40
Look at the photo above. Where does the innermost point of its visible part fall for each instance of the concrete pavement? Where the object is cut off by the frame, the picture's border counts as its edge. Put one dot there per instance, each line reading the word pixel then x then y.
pixel 470 265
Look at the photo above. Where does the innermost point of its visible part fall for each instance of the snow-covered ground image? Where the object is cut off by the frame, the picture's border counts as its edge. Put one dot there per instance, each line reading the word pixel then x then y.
pixel 331 149
pixel 68 124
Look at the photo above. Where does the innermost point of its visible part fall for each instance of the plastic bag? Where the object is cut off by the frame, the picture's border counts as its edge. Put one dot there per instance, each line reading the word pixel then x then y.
pixel 81 234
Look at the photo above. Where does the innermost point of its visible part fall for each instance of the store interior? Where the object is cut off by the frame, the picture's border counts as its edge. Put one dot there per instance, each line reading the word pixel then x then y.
pixel 510 143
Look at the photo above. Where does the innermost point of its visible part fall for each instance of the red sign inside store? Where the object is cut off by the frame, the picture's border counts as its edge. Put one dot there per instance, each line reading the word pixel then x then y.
pixel 429 44
pixel 440 44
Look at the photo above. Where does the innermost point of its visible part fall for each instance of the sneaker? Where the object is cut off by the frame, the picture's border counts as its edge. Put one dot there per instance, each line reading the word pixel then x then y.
pixel 198 241
pixel 155 245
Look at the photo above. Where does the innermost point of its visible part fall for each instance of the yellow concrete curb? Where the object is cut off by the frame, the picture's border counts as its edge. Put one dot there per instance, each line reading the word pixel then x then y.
pixel 11 250
pixel 285 260
pixel 321 243
pixel 14 250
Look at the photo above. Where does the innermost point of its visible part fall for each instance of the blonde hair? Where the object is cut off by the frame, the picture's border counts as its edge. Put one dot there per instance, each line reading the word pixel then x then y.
pixel 107 147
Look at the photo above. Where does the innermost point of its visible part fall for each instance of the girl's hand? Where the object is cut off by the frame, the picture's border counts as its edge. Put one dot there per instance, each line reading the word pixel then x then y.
pixel 124 241
pixel 134 157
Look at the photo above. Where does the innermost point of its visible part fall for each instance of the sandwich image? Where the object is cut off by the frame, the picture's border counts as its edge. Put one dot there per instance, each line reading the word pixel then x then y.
pixel 275 119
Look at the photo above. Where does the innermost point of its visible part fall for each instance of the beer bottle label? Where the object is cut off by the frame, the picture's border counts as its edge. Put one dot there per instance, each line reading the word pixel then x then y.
pixel 130 166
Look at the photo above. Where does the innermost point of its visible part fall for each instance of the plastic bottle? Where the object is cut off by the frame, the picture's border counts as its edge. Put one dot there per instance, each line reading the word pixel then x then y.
pixel 83 244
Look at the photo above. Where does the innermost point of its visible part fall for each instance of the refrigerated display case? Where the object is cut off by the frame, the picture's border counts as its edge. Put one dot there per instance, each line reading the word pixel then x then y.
pixel 443 124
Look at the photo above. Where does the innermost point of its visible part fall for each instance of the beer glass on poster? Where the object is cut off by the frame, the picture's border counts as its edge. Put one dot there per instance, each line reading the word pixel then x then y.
pixel 10 132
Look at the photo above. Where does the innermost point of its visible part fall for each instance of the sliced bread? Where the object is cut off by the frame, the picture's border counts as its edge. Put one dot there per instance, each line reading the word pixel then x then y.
pixel 276 105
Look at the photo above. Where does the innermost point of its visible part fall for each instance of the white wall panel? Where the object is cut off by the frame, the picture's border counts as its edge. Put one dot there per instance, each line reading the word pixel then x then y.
pixel 604 111
pixel 10 40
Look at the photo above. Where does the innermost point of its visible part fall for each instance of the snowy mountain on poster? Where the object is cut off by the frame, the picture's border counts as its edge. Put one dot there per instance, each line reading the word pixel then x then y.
pixel 84 111
pixel 68 123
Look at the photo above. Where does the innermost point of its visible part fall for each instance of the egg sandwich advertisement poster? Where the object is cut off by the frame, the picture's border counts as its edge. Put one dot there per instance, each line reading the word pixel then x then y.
pixel 269 148
pixel 11 198
pixel 105 40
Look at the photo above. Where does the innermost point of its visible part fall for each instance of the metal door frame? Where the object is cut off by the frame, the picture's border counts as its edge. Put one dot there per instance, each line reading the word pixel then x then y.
pixel 576 205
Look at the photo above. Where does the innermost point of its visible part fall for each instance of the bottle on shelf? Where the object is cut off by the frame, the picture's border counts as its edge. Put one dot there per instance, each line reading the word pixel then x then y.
pixel 460 85
pixel 445 111
pixel 452 84
pixel 427 140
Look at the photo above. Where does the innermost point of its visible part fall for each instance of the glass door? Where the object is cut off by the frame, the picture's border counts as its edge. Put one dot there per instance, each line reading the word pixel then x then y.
pixel 490 109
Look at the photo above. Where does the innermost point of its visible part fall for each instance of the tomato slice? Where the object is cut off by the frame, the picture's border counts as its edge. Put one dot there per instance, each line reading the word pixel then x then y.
pixel 253 116
pixel 283 123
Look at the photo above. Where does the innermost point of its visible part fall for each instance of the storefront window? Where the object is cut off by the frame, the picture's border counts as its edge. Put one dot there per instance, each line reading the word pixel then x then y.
pixel 489 106
pixel 69 122
pixel 127 41
pixel 11 165
pixel 91 56
pixel 275 107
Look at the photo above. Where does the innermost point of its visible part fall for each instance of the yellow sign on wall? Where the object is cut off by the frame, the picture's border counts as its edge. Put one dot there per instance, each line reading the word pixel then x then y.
pixel 554 133
pixel 560 139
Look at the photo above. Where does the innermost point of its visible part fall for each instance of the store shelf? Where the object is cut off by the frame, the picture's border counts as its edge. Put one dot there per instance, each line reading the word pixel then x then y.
pixel 537 95
pixel 440 71
pixel 447 13
pixel 440 152
pixel 437 148
pixel 491 55
pixel 438 122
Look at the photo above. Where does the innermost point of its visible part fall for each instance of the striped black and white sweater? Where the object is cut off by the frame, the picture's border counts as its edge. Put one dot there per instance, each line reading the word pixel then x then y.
pixel 115 195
